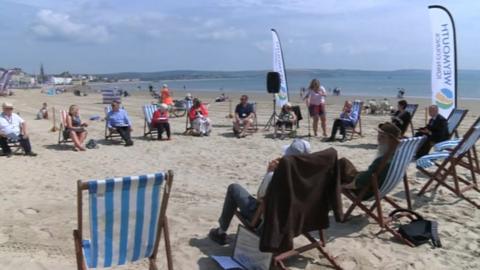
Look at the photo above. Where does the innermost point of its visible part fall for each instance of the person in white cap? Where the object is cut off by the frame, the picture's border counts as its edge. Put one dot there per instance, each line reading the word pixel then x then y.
pixel 13 128
pixel 160 121
pixel 238 197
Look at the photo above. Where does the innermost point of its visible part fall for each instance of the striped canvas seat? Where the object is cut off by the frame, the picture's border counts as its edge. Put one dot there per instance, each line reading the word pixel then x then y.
pixel 463 154
pixel 126 218
pixel 454 120
pixel 412 109
pixel 63 136
pixel 148 111
pixel 446 145
pixel 356 107
pixel 401 157
pixel 110 95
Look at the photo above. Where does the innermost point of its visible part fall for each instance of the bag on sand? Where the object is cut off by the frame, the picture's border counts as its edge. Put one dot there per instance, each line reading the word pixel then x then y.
pixel 92 144
pixel 418 231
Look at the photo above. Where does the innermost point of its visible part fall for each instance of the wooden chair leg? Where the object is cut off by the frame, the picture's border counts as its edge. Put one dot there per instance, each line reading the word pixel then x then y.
pixel 167 244
pixel 78 251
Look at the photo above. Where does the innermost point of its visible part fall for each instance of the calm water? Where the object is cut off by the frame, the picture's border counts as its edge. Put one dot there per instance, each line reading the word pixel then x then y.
pixel 367 83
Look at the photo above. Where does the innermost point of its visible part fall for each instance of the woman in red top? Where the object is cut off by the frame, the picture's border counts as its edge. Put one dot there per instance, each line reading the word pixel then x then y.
pixel 160 121
pixel 198 116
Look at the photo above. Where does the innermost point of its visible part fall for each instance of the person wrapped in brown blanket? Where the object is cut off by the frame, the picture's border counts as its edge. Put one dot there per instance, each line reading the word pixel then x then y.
pixel 303 190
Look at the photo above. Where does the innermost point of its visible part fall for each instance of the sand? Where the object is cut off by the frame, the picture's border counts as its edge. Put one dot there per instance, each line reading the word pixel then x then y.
pixel 38 195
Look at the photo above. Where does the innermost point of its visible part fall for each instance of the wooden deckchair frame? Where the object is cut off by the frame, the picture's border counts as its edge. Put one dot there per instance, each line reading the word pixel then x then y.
pixel 454 131
pixel 468 160
pixel 61 132
pixel 162 226
pixel 412 114
pixel 147 127
pixel 353 130
pixel 370 210
pixel 278 259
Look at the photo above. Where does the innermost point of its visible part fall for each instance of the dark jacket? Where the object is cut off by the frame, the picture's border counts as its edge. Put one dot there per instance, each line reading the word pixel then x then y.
pixel 303 190
pixel 439 129
pixel 401 120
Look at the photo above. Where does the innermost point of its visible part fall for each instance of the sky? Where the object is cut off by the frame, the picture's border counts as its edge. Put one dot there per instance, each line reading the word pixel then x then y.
pixel 106 36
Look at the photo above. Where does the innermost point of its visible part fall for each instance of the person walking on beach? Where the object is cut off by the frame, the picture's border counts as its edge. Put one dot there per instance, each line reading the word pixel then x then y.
pixel 315 99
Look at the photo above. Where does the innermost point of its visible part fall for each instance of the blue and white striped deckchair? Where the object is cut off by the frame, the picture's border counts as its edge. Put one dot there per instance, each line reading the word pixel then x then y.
pixel 127 217
pixel 400 159
pixel 356 107
pixel 454 120
pixel 412 109
pixel 148 111
pixel 110 95
pixel 462 154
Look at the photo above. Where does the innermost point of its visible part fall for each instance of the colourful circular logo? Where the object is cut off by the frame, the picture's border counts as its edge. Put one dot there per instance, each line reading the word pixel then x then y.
pixel 444 98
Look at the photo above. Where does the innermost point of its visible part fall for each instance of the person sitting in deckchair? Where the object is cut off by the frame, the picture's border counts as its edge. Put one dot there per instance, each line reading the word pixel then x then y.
pixel 76 128
pixel 436 131
pixel 239 197
pixel 13 128
pixel 198 116
pixel 43 112
pixel 401 118
pixel 160 121
pixel 117 119
pixel 352 179
pixel 286 119
pixel 244 114
pixel 348 118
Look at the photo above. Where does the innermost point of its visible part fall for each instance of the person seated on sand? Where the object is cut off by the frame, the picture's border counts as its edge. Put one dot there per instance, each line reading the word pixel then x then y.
pixel 117 119
pixel 355 180
pixel 238 197
pixel 348 117
pixel 165 96
pixel 244 115
pixel 43 112
pixel 198 116
pixel 436 131
pixel 286 119
pixel 76 128
pixel 221 98
pixel 160 121
pixel 401 118
pixel 13 128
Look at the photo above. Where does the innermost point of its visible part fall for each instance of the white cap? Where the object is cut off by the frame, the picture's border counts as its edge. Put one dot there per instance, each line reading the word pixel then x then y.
pixel 163 107
pixel 165 85
pixel 297 147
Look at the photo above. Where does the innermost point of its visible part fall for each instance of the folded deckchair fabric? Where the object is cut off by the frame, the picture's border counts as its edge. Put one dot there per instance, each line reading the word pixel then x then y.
pixel 127 216
pixel 303 190
pixel 429 160
pixel 446 145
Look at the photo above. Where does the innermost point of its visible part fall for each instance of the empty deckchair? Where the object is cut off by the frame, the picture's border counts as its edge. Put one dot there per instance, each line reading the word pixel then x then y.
pixel 401 154
pixel 454 120
pixel 127 218
pixel 279 258
pixel 412 109
pixel 110 134
pixel 148 111
pixel 357 107
pixel 446 163
pixel 63 135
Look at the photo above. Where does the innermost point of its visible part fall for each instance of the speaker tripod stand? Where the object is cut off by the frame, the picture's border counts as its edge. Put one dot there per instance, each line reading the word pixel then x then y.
pixel 273 119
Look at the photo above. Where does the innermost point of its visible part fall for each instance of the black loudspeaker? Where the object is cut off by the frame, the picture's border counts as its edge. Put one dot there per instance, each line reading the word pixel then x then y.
pixel 273 82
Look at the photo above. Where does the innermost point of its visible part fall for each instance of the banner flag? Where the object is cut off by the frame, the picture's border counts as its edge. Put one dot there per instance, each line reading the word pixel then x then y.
pixel 444 60
pixel 279 66
pixel 4 82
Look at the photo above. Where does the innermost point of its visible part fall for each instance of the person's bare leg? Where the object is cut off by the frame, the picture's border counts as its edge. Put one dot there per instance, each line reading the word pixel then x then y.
pixel 82 137
pixel 76 141
pixel 315 125
pixel 323 120
pixel 246 125
pixel 236 126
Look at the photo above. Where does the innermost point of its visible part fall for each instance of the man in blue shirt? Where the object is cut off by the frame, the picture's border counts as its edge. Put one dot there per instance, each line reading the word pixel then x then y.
pixel 244 115
pixel 117 119
pixel 348 118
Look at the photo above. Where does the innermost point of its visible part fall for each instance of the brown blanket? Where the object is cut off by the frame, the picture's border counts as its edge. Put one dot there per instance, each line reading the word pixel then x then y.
pixel 303 190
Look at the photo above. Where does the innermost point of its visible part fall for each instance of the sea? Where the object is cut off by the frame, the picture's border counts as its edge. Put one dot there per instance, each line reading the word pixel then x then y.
pixel 415 83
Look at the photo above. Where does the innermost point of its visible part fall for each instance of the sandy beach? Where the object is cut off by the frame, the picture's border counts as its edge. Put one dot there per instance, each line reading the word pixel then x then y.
pixel 38 194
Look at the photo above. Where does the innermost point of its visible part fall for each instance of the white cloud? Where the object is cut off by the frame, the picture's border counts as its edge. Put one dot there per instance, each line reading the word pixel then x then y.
pixel 228 34
pixel 50 25
pixel 326 48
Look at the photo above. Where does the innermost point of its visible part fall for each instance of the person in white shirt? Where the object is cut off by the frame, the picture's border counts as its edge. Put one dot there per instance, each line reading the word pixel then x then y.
pixel 239 197
pixel 13 128
pixel 315 100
